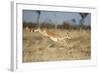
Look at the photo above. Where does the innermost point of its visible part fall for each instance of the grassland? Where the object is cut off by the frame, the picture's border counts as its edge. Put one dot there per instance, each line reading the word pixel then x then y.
pixel 37 48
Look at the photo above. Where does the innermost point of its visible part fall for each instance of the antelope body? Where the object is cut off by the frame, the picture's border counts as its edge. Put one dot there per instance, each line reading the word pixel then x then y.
pixel 52 35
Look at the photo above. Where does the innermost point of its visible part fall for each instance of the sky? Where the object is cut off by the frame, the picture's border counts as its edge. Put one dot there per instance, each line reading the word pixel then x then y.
pixel 55 17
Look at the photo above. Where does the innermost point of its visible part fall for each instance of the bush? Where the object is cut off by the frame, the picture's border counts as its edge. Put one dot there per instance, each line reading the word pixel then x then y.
pixel 65 25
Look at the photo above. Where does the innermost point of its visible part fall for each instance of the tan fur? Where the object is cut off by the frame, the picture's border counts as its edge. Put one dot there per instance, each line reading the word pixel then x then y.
pixel 27 29
pixel 52 35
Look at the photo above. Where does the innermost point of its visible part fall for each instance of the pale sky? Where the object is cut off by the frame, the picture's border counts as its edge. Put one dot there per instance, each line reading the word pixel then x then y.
pixel 55 17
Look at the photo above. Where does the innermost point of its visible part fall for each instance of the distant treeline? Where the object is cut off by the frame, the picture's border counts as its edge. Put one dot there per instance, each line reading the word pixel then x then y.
pixel 65 25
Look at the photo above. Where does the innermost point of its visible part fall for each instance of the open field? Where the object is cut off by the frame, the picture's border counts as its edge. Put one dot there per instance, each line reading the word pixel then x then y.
pixel 38 48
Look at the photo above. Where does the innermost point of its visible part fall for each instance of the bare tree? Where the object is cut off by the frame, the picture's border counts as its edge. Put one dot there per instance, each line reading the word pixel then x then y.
pixel 74 21
pixel 38 18
pixel 83 16
pixel 56 22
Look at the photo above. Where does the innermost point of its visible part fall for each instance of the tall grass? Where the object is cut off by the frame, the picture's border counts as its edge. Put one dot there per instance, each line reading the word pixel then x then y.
pixel 64 25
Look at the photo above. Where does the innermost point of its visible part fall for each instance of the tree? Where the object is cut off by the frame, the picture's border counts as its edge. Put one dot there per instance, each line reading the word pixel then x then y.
pixel 83 16
pixel 56 21
pixel 38 18
pixel 74 21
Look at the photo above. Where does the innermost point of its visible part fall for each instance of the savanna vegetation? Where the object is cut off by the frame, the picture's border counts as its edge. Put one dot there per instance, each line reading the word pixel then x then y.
pixel 37 48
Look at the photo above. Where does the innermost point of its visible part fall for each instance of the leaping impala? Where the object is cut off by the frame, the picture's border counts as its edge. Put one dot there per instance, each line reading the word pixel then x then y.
pixel 53 36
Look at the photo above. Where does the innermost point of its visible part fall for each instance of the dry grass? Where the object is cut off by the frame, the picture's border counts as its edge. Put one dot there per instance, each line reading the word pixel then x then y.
pixel 39 48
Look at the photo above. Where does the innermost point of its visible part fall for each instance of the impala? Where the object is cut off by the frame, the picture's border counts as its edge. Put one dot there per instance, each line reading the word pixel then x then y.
pixel 52 35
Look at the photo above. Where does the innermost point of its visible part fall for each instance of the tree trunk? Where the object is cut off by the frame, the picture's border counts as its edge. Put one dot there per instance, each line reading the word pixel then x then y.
pixel 38 21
